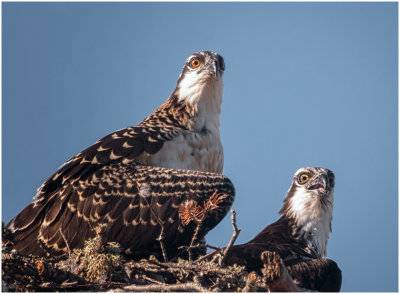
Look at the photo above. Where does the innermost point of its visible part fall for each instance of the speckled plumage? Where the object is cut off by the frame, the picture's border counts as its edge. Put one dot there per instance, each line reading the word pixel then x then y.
pixel 101 183
pixel 131 199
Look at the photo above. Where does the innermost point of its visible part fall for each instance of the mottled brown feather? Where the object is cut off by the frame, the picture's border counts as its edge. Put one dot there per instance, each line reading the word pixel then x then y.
pixel 122 195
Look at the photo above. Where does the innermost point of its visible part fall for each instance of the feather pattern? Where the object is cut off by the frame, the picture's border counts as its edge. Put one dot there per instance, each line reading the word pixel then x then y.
pixel 132 200
pixel 182 133
pixel 301 234
pixel 116 181
pixel 322 275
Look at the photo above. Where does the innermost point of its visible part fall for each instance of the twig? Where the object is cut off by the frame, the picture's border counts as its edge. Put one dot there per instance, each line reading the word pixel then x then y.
pixel 214 248
pixel 194 238
pixel 197 246
pixel 68 248
pixel 191 247
pixel 205 257
pixel 172 267
pixel 223 252
pixel 152 280
pixel 235 234
pixel 208 255
pixel 189 286
pixel 51 287
pixel 66 242
pixel 160 239
pixel 161 236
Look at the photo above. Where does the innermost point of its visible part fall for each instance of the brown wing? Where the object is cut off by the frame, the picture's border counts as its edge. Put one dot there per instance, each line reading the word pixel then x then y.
pixel 123 145
pixel 322 275
pixel 247 255
pixel 281 237
pixel 133 200
pixel 276 237
pixel 314 274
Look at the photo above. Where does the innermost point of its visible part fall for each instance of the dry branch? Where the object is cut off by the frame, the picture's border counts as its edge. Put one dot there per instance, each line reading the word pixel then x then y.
pixel 235 234
pixel 30 272
pixel 185 287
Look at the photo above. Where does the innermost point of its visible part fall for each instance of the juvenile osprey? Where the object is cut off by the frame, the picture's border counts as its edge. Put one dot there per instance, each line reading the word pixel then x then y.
pixel 301 235
pixel 103 182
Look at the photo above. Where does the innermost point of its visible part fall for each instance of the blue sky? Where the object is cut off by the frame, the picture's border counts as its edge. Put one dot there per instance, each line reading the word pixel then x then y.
pixel 306 84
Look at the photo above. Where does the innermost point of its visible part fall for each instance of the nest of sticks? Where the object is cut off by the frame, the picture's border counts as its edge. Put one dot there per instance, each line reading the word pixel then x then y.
pixel 100 266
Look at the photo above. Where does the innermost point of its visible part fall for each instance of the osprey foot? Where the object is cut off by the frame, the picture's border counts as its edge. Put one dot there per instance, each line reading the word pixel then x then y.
pixel 273 265
pixel 276 274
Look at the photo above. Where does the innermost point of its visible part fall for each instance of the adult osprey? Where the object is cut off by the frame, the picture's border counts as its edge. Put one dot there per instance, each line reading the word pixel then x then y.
pixel 301 235
pixel 103 183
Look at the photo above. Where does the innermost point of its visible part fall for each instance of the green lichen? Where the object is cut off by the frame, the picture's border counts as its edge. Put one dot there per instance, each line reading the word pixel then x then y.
pixel 98 263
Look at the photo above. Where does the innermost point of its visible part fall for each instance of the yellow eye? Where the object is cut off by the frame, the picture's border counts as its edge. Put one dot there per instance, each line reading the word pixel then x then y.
pixel 303 178
pixel 195 62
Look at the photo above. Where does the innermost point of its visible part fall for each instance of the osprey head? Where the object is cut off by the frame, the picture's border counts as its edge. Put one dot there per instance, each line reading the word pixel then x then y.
pixel 316 180
pixel 203 65
pixel 201 78
pixel 309 202
pixel 312 189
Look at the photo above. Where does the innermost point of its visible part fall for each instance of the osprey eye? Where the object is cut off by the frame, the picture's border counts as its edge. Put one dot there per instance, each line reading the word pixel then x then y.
pixel 303 178
pixel 195 62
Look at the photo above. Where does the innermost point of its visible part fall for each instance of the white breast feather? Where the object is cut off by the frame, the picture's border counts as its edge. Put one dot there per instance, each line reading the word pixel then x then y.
pixel 189 151
pixel 200 149
pixel 204 94
pixel 313 219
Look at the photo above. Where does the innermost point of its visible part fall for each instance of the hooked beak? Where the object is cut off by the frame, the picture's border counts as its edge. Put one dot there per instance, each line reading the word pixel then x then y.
pixel 214 69
pixel 319 184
